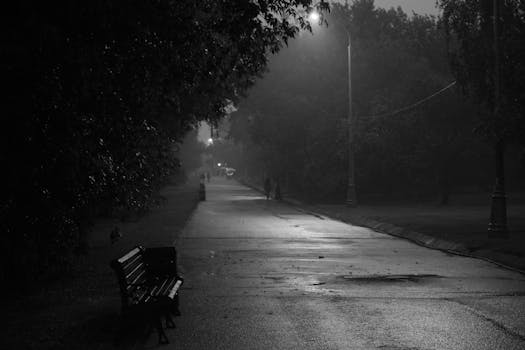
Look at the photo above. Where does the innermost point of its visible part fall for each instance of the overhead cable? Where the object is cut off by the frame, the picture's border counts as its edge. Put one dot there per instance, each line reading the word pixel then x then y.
pixel 404 109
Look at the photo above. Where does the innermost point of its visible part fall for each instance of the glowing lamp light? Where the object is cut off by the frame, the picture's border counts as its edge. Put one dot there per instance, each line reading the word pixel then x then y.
pixel 218 164
pixel 313 16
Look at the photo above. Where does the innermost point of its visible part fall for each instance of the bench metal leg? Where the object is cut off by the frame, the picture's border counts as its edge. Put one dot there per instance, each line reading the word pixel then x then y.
pixel 155 314
pixel 174 306
pixel 163 338
pixel 169 321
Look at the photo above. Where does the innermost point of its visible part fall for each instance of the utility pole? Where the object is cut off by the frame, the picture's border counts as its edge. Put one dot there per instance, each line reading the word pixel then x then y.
pixel 351 199
pixel 498 214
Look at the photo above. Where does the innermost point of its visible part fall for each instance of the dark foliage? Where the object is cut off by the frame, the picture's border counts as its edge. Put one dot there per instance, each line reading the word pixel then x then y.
pixel 469 25
pixel 293 125
pixel 100 92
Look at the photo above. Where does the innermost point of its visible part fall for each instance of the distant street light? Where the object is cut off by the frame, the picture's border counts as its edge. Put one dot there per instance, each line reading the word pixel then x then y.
pixel 351 198
pixel 314 16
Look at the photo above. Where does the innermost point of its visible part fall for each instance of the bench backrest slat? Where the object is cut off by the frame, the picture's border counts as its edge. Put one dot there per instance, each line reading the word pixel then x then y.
pixel 131 276
pixel 132 262
pixel 131 273
pixel 132 253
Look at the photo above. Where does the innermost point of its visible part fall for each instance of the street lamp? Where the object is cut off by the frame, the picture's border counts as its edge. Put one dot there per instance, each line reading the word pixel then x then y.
pixel 498 213
pixel 314 16
pixel 351 199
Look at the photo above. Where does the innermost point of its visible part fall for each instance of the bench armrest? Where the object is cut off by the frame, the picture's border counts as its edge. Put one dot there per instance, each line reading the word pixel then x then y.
pixel 175 288
pixel 172 292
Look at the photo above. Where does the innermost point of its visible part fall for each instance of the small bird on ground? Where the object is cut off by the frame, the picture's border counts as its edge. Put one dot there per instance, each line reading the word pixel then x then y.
pixel 115 235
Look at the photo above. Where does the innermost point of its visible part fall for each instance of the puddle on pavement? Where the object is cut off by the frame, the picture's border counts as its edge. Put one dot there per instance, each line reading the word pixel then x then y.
pixel 390 278
pixel 275 278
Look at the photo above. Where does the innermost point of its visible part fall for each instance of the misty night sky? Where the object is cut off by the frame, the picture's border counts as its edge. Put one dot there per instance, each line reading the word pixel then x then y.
pixel 418 6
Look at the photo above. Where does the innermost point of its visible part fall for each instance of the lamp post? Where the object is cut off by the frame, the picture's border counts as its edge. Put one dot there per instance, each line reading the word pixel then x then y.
pixel 351 199
pixel 498 213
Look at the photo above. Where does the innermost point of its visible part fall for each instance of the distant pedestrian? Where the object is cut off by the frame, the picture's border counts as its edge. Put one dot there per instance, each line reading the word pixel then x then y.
pixel 277 194
pixel 267 187
pixel 208 176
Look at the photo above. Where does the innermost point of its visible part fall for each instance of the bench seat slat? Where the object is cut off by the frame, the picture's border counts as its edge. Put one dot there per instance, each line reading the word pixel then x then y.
pixel 138 295
pixel 170 288
pixel 165 287
pixel 162 288
pixel 171 285
pixel 142 283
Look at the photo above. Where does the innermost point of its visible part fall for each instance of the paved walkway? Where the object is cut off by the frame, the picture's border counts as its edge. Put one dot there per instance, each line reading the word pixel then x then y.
pixel 265 275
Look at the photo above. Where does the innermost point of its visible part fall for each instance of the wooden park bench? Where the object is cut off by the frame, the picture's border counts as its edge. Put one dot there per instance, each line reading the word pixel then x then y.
pixel 149 286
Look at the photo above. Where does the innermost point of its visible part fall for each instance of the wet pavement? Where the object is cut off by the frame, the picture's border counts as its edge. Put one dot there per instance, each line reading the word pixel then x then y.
pixel 264 275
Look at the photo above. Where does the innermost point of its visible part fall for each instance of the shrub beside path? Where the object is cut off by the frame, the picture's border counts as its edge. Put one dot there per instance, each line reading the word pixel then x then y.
pixel 457 228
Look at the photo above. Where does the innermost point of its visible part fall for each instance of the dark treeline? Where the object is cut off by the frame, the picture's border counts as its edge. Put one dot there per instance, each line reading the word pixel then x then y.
pixel 293 125
pixel 99 95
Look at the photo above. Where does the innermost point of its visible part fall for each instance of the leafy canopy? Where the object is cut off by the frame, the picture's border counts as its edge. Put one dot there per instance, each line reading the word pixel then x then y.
pixel 469 25
pixel 100 93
